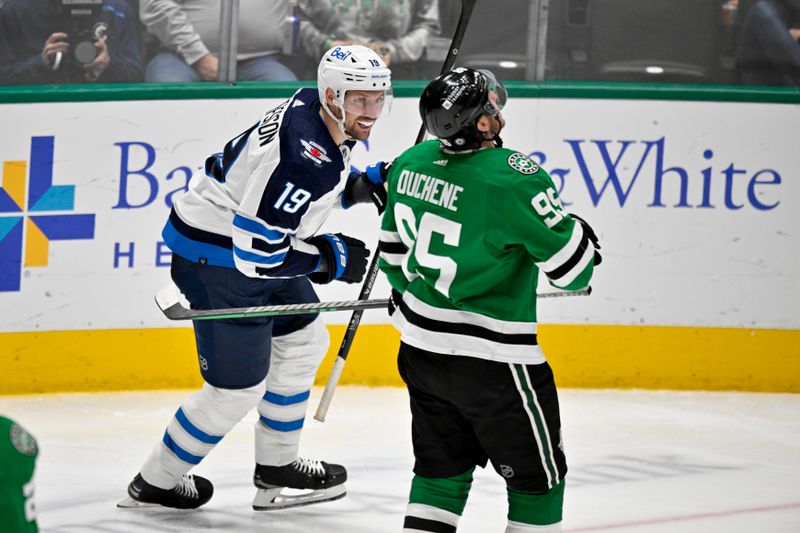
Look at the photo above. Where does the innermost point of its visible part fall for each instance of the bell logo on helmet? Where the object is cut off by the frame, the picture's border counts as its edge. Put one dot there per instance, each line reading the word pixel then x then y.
pixel 341 55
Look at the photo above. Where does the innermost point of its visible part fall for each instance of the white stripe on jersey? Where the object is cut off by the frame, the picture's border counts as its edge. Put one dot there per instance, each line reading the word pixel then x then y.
pixel 574 272
pixel 467 317
pixel 466 345
pixel 392 259
pixel 563 255
pixel 389 236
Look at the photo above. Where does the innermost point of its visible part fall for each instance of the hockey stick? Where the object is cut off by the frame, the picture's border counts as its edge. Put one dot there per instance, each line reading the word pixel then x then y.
pixel 327 395
pixel 168 300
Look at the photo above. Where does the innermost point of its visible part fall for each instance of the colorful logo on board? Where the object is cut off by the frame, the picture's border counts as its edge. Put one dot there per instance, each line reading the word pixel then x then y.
pixel 33 213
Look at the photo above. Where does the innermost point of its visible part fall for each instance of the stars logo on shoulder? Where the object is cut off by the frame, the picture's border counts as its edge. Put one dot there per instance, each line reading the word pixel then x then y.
pixel 23 441
pixel 314 152
pixel 522 164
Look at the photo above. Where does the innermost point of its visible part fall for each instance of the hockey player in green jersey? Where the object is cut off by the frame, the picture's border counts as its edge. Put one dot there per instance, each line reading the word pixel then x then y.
pixel 467 228
pixel 18 451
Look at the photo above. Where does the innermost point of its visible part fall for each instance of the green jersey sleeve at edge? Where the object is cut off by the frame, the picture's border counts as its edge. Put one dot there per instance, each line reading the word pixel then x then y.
pixel 391 263
pixel 535 219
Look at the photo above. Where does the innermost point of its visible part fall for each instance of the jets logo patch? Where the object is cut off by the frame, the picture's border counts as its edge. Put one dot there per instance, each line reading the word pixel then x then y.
pixel 522 164
pixel 23 441
pixel 314 152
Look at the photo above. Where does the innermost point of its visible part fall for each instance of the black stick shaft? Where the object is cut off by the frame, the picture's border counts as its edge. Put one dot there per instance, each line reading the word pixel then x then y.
pixel 344 349
pixel 461 29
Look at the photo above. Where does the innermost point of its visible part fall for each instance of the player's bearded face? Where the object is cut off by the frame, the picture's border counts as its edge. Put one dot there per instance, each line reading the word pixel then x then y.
pixel 496 115
pixel 362 109
pixel 496 120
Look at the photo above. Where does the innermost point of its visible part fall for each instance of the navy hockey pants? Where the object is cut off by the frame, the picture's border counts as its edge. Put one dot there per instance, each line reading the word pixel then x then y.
pixel 234 353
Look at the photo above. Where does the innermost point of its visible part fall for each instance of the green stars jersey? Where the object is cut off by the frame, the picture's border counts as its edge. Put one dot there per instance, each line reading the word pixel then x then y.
pixel 463 239
pixel 18 451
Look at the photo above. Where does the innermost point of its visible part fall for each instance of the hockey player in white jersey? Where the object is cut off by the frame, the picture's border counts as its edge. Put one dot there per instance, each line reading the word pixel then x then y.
pixel 245 234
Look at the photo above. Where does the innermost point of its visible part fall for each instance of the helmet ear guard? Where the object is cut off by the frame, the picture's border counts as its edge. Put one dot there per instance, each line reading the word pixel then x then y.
pixel 352 68
pixel 452 103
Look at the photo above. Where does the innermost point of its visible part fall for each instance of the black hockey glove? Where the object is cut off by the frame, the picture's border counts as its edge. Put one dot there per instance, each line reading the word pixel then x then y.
pixel 368 186
pixel 587 229
pixel 394 301
pixel 344 257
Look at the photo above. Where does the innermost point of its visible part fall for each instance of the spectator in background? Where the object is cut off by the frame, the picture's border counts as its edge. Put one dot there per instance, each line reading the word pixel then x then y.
pixel 189 33
pixel 42 43
pixel 769 45
pixel 397 30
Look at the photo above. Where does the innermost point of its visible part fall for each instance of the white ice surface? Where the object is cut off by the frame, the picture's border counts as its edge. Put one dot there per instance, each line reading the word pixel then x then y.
pixel 651 462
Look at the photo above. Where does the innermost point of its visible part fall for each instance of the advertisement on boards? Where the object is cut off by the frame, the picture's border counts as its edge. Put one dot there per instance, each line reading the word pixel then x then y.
pixel 695 204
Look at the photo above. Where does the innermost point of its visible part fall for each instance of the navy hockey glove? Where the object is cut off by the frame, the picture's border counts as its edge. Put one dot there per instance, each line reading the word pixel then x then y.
pixel 368 186
pixel 344 257
pixel 587 229
pixel 377 172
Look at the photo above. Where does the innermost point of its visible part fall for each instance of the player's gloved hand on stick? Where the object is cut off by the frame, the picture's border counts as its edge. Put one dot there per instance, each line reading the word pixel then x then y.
pixel 587 229
pixel 394 301
pixel 368 186
pixel 342 258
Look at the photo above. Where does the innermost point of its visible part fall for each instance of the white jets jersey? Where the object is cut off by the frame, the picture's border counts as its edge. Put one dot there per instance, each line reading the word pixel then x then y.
pixel 256 202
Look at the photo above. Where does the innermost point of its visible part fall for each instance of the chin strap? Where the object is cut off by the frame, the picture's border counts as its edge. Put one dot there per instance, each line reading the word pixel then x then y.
pixel 495 138
pixel 498 141
pixel 339 122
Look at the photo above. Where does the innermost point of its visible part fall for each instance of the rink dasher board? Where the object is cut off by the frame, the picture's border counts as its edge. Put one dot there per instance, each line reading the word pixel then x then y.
pixel 694 203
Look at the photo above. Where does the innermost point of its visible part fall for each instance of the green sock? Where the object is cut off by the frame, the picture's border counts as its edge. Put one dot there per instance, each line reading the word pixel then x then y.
pixel 538 509
pixel 448 493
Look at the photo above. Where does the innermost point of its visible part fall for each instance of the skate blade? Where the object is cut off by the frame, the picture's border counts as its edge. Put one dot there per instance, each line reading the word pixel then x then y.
pixel 129 503
pixel 272 499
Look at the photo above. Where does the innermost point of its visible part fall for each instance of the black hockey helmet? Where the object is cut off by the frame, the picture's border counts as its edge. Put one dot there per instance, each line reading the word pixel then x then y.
pixel 452 103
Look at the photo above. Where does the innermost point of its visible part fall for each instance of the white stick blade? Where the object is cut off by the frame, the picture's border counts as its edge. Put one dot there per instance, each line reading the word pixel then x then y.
pixel 168 296
pixel 330 387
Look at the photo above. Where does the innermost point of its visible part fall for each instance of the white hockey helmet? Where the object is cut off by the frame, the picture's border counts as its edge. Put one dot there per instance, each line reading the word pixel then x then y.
pixel 353 68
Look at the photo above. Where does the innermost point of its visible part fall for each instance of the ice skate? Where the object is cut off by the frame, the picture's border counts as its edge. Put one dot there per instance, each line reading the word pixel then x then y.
pixel 190 493
pixel 302 482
